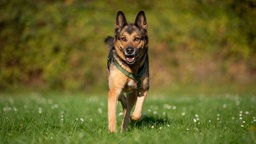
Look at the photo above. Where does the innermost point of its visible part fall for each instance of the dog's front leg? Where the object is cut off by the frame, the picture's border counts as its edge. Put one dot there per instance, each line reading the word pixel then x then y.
pixel 138 107
pixel 113 95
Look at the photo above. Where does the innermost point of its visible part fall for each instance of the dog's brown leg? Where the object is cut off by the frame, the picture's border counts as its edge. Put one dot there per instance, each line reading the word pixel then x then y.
pixel 131 98
pixel 138 108
pixel 123 101
pixel 112 104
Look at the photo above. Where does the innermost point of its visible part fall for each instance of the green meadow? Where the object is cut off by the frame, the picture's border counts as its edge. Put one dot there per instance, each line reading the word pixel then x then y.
pixel 58 117
pixel 53 84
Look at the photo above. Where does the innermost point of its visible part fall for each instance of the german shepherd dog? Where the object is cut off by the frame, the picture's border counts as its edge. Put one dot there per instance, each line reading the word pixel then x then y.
pixel 128 69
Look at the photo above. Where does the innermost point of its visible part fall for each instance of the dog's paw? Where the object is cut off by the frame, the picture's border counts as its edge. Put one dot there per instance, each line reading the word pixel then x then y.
pixel 136 117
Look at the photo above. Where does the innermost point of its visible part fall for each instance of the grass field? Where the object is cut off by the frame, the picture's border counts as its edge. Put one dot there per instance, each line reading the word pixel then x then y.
pixel 33 117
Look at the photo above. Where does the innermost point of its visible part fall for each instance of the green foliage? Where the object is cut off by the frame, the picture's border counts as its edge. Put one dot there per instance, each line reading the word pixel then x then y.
pixel 76 118
pixel 59 44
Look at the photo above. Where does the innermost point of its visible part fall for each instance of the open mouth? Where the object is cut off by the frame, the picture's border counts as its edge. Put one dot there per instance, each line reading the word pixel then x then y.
pixel 130 59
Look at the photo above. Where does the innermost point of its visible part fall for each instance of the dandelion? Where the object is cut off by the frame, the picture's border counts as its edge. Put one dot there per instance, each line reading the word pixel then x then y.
pixel 15 109
pixel 6 109
pixel 120 114
pixel 62 116
pixel 55 106
pixel 82 120
pixel 168 125
pixel 174 107
pixel 152 127
pixel 166 106
pixel 164 113
pixel 209 121
pixel 99 110
pixel 194 120
pixel 155 112
pixel 183 114
pixel 247 113
pixel 242 125
pixel 197 117
pixel 39 110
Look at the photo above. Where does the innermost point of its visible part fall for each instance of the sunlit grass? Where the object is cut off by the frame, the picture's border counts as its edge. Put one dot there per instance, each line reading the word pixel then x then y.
pixel 79 118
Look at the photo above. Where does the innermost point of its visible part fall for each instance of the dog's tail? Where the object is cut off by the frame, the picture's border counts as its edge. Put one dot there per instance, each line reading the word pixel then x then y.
pixel 109 40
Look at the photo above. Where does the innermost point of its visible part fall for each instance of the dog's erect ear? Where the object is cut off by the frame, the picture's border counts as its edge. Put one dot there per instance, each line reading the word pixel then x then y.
pixel 120 20
pixel 141 21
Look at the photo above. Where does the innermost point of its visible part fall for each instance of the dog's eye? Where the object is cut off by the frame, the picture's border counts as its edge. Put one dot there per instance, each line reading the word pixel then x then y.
pixel 137 39
pixel 124 39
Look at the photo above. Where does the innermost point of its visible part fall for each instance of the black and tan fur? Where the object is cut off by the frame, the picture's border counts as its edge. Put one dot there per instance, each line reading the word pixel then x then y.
pixel 129 48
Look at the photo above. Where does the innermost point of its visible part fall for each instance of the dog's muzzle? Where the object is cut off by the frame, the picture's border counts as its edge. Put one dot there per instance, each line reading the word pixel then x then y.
pixel 130 55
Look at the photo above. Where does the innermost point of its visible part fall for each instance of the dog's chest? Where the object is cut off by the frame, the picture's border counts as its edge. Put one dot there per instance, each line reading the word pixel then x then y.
pixel 130 85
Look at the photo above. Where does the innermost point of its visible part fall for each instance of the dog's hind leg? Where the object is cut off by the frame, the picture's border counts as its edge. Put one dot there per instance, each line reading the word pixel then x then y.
pixel 123 101
pixel 130 100
pixel 138 108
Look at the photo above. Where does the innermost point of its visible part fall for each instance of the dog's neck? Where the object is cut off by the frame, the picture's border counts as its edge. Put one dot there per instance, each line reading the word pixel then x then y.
pixel 134 68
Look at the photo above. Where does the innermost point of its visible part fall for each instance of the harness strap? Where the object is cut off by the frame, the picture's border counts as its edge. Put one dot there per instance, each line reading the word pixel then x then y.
pixel 137 77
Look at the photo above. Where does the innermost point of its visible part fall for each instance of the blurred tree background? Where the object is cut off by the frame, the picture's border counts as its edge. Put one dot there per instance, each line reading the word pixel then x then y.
pixel 58 44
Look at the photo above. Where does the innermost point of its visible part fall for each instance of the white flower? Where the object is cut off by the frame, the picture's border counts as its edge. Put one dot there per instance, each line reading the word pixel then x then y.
pixel 39 110
pixel 121 113
pixel 99 110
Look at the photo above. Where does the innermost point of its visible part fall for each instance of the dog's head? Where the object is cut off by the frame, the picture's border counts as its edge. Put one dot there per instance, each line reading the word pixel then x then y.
pixel 131 39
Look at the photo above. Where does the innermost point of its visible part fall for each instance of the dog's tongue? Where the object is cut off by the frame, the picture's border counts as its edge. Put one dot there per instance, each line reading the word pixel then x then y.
pixel 130 59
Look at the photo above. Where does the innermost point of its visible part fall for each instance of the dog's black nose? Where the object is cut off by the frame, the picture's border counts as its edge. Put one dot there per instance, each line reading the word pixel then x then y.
pixel 129 51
